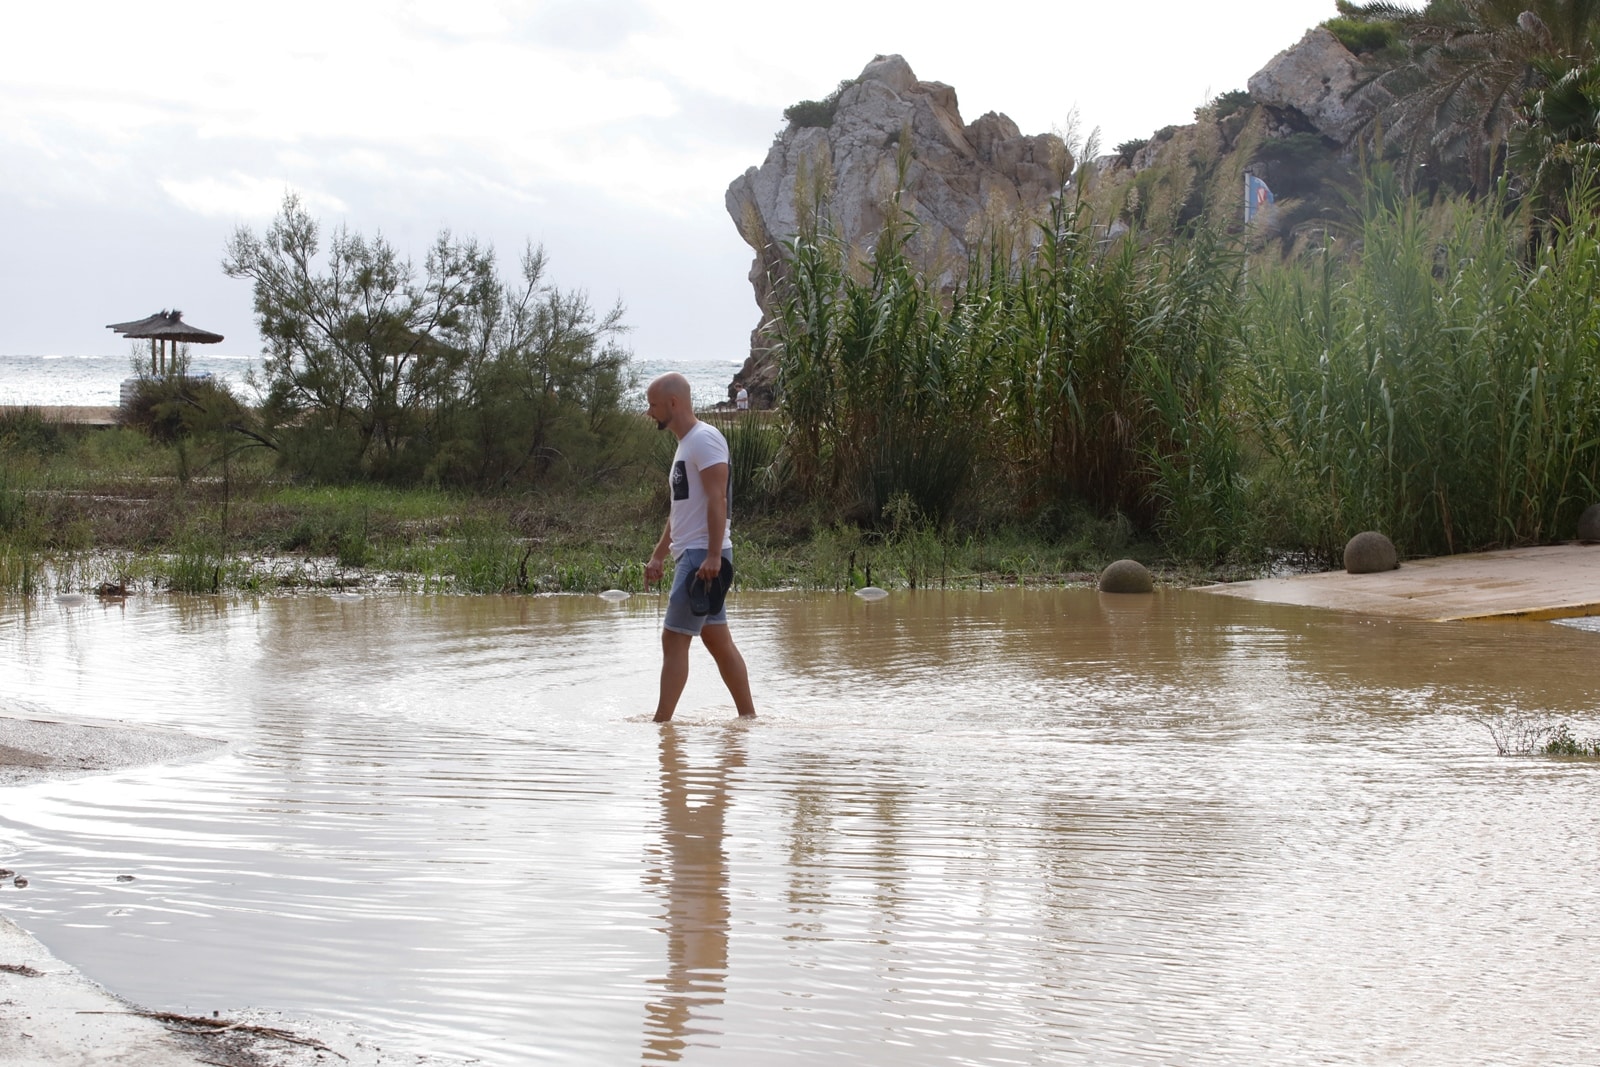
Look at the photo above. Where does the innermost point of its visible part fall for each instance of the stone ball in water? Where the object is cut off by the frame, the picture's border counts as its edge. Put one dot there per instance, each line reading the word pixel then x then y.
pixel 1589 524
pixel 1369 552
pixel 872 592
pixel 615 595
pixel 1126 576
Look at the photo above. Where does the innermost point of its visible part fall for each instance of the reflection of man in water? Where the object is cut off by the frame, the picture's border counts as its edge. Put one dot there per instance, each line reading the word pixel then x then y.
pixel 694 868
pixel 701 498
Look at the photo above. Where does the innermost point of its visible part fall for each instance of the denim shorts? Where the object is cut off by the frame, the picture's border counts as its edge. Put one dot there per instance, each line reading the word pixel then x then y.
pixel 680 620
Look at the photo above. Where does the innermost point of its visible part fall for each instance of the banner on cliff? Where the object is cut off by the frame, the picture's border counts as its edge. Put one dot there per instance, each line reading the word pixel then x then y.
pixel 1257 197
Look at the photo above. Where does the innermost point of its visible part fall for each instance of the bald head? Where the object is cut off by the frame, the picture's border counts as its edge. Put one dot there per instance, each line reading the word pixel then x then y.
pixel 670 403
pixel 671 384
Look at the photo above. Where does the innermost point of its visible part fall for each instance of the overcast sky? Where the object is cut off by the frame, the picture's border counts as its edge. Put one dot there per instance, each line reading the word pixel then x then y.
pixel 134 138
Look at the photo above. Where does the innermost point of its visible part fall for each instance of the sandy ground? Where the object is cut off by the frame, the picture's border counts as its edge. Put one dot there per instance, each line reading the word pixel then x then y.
pixel 34 748
pixel 86 416
pixel 51 1015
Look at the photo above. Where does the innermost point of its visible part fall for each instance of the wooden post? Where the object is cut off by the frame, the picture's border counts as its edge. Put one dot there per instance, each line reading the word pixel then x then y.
pixel 153 370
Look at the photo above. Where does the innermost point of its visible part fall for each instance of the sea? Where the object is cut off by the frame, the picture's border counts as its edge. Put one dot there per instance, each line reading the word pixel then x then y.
pixel 95 381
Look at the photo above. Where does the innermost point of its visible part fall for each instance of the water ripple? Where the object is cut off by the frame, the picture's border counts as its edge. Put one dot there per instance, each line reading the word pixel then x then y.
pixel 1003 828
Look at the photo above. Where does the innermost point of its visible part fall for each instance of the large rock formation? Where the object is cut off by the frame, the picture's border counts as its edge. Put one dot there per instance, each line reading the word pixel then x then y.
pixel 957 175
pixel 1319 79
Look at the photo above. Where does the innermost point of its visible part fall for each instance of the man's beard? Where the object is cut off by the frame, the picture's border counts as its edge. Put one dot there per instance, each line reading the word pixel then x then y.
pixel 660 425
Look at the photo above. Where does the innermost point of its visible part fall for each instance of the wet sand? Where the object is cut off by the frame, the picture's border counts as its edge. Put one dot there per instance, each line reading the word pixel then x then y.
pixel 33 749
pixel 50 1013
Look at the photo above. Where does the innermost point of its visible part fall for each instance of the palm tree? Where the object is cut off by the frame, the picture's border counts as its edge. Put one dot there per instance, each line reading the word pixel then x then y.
pixel 1468 68
pixel 1558 135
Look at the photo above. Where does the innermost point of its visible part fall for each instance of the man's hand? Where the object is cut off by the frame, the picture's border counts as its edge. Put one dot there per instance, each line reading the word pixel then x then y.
pixel 710 568
pixel 652 572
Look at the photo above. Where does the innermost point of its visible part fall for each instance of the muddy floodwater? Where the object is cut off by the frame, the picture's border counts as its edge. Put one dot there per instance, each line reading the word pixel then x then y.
pixel 1014 827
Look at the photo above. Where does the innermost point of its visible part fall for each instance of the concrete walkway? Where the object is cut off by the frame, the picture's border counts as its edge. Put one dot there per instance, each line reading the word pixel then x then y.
pixel 1546 582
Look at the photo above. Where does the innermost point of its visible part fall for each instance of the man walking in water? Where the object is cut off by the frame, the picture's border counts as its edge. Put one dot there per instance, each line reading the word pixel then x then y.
pixel 698 520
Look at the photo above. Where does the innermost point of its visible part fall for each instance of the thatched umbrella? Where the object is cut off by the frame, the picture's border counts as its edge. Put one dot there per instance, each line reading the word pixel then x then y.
pixel 162 329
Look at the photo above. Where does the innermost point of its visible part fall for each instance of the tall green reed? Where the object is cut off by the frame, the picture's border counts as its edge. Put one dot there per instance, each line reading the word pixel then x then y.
pixel 1439 381
pixel 1119 357
pixel 883 386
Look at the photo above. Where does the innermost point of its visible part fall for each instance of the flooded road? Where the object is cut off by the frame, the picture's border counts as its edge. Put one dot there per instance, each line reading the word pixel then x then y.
pixel 1014 827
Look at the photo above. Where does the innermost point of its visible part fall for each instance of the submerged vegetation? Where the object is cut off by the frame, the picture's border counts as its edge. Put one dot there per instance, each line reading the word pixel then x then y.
pixel 1531 735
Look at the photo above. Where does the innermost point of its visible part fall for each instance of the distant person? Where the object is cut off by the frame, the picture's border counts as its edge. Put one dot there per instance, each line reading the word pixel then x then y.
pixel 742 400
pixel 701 497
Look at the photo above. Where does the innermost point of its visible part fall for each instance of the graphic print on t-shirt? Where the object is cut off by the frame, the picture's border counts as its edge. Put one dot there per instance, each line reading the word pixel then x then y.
pixel 680 481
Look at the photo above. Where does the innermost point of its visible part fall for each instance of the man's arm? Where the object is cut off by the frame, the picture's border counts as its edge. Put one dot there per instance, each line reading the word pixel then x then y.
pixel 658 558
pixel 714 479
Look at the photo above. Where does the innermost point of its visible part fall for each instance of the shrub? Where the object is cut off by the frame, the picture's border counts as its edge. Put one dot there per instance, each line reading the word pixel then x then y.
pixel 817 112
pixel 179 407
pixel 1228 103
pixel 25 431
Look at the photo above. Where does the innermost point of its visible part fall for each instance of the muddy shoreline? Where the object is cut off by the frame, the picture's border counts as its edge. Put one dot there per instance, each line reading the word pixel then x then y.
pixel 35 749
pixel 51 1013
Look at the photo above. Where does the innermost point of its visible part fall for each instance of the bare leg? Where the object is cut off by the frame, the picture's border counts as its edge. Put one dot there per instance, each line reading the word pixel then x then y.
pixel 674 672
pixel 719 642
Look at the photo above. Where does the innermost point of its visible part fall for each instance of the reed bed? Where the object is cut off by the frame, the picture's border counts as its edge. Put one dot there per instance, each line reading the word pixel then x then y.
pixel 1435 374
pixel 1431 370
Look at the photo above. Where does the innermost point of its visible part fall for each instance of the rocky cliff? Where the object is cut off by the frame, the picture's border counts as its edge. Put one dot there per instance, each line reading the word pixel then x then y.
pixel 1319 82
pixel 956 174
pixel 1293 128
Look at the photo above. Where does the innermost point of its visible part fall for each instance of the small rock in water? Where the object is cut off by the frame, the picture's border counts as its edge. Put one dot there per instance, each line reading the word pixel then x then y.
pixel 5 873
pixel 872 592
pixel 1126 576
pixel 20 882
pixel 111 589
pixel 615 595
pixel 124 877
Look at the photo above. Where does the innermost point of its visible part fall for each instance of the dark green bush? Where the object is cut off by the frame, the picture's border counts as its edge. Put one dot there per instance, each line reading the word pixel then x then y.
pixel 171 409
pixel 1229 103
pixel 817 112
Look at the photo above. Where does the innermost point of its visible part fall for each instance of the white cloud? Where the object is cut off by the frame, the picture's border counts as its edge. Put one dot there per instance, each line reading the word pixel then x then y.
pixel 616 121
pixel 241 196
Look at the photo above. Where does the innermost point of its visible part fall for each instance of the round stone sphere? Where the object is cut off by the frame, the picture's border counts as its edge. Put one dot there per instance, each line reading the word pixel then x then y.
pixel 1126 576
pixel 1370 552
pixel 1589 523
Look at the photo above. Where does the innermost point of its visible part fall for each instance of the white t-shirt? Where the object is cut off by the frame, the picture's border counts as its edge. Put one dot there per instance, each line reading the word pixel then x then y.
pixel 703 446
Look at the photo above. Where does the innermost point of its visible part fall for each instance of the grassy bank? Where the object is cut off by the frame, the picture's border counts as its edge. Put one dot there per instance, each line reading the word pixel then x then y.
pixel 85 508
